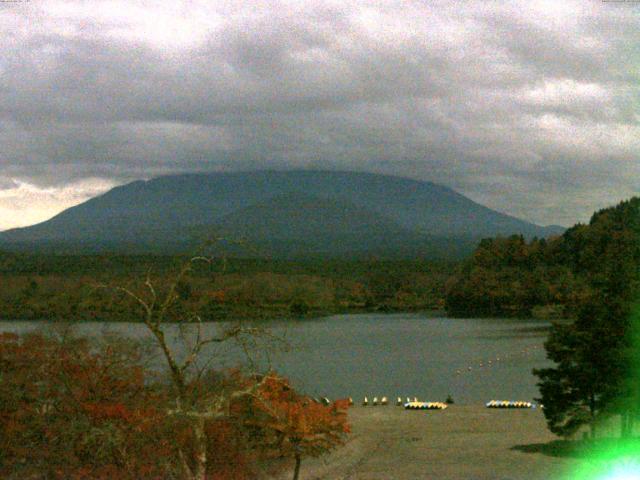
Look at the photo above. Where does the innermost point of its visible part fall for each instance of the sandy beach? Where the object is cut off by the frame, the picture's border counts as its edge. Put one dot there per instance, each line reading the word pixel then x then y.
pixel 459 443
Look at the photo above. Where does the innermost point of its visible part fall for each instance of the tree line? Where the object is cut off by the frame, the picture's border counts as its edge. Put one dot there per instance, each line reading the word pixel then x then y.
pixel 597 371
pixel 590 275
pixel 37 287
pixel 512 277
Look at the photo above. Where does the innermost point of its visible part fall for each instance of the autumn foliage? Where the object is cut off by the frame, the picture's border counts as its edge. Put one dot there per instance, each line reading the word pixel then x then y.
pixel 74 409
pixel 297 421
pixel 297 426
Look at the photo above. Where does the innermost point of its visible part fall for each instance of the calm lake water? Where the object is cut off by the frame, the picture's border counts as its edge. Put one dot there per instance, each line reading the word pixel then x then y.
pixel 390 355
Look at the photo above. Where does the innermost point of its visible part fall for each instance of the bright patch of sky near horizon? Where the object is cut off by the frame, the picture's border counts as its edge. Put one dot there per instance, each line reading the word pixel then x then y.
pixel 34 204
pixel 526 107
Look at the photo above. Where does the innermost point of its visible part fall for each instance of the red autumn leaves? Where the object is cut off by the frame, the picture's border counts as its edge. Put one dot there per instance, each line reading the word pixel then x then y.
pixel 73 409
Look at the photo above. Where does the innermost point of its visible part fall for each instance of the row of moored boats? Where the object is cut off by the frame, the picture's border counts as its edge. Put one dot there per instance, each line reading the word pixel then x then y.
pixel 509 404
pixel 415 404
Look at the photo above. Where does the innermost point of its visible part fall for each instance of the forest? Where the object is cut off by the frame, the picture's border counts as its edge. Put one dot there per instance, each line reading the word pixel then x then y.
pixel 591 276
pixel 549 278
pixel 504 277
pixel 78 287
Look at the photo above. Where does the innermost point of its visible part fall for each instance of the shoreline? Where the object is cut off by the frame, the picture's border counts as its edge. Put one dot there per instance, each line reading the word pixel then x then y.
pixel 460 443
pixel 314 316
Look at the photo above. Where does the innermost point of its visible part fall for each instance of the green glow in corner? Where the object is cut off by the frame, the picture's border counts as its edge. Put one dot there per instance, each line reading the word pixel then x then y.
pixel 616 458
pixel 619 461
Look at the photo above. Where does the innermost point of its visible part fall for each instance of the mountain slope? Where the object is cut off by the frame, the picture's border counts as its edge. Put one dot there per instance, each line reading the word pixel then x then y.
pixel 319 211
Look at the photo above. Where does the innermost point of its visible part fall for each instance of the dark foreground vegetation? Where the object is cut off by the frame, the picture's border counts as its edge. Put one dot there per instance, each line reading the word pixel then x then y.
pixel 546 277
pixel 591 275
pixel 61 287
pixel 74 409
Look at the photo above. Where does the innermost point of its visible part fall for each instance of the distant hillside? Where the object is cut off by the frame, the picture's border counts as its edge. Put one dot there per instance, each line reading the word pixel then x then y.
pixel 290 213
pixel 551 278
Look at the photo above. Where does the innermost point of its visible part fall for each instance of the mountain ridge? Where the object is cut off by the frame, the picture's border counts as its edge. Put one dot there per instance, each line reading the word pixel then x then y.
pixel 381 208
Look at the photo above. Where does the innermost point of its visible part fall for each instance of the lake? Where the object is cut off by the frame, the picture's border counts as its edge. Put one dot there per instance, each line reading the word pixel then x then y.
pixel 474 360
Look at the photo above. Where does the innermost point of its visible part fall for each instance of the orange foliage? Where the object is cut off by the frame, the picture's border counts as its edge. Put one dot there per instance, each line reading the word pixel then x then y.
pixel 218 296
pixel 71 410
pixel 298 424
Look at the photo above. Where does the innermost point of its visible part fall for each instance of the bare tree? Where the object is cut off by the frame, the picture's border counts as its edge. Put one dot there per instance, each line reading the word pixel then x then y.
pixel 185 369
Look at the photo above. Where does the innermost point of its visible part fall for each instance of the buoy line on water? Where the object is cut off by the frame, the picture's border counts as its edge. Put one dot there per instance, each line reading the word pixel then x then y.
pixel 497 360
pixel 488 363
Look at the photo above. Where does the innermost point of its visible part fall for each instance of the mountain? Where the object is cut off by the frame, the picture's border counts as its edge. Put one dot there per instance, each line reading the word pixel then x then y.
pixel 284 213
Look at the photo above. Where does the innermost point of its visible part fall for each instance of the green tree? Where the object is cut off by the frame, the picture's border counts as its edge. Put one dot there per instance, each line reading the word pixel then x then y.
pixel 594 355
pixel 587 373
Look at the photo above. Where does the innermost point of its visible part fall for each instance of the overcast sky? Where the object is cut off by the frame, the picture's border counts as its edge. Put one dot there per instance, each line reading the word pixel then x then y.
pixel 528 107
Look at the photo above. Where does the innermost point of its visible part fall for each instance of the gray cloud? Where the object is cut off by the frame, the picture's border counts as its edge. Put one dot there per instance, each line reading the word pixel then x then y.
pixel 527 107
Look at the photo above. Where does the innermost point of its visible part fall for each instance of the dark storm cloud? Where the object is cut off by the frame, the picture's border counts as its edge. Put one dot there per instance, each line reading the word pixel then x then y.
pixel 528 107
